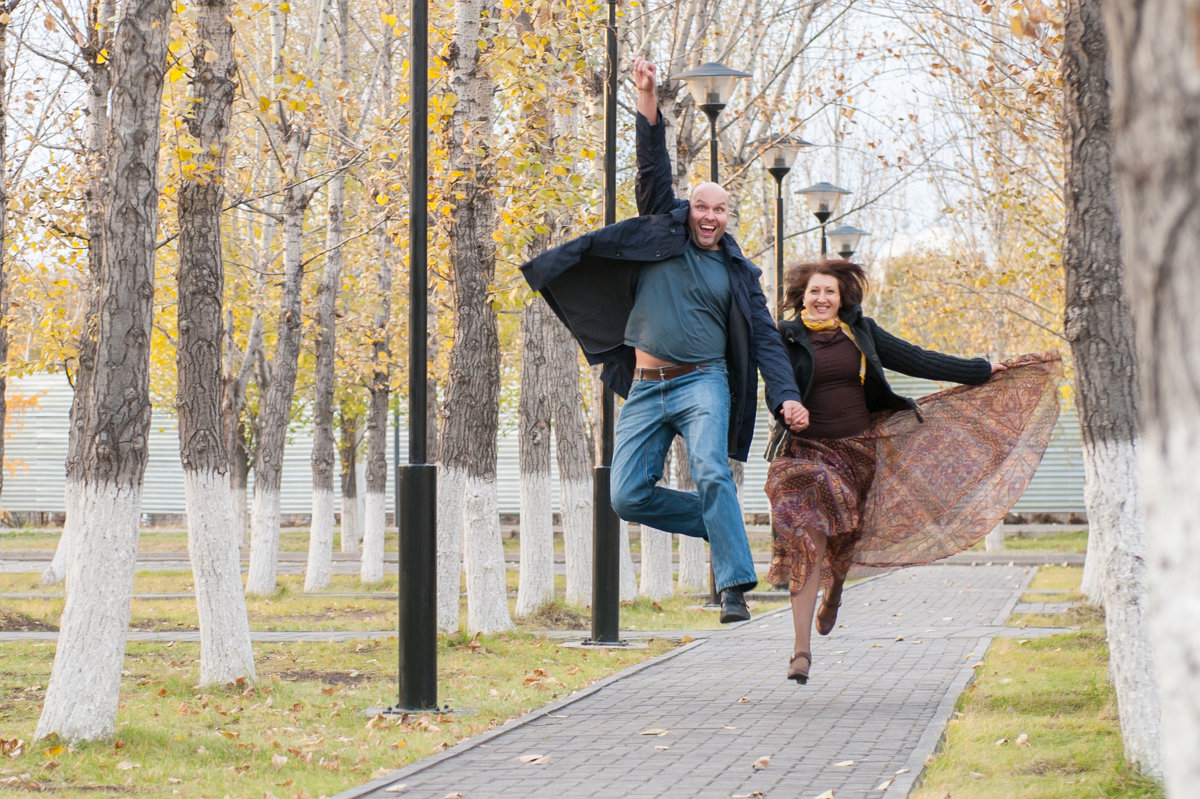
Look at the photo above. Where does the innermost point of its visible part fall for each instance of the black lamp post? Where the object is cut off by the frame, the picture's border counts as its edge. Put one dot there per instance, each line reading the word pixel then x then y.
pixel 606 527
pixel 823 199
pixel 779 154
pixel 844 240
pixel 416 482
pixel 711 85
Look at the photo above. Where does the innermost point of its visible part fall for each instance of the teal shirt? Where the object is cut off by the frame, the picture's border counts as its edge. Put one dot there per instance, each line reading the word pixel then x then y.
pixel 680 310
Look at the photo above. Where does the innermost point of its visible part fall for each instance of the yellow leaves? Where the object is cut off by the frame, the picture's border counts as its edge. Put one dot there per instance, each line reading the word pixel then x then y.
pixel 175 73
pixel 53 751
pixel 286 8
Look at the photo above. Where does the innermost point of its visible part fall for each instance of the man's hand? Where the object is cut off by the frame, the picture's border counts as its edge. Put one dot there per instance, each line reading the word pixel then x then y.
pixel 645 79
pixel 795 415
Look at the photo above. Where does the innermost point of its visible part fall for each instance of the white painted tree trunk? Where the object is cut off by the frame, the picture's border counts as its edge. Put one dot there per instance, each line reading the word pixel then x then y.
pixel 225 650
pixel 320 542
pixel 627 580
pixel 374 527
pixel 240 498
pixel 576 505
pixel 693 564
pixel 483 559
pixel 85 684
pixel 56 572
pixel 1155 87
pixel 353 509
pixel 657 568
pixel 535 582
pixel 1091 583
pixel 263 568
pixel 994 541
pixel 451 488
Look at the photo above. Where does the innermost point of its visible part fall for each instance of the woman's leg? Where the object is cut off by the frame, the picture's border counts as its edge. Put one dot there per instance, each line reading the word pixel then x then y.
pixel 805 602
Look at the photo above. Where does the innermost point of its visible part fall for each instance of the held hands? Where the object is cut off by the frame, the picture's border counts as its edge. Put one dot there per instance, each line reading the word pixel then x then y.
pixel 795 415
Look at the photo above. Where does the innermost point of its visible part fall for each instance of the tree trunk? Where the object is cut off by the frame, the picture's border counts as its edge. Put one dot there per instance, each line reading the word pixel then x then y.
pixel 375 514
pixel 324 451
pixel 994 541
pixel 99 83
pixel 351 501
pixel 3 232
pixel 213 539
pixel 658 570
pixel 471 410
pixel 1155 92
pixel 275 412
pixel 693 552
pixel 85 683
pixel 535 586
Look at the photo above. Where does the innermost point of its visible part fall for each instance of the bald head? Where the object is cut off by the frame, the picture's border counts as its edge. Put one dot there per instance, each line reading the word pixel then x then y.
pixel 708 215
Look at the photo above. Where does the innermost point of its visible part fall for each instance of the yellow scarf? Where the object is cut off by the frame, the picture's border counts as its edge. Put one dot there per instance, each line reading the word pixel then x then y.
pixel 836 324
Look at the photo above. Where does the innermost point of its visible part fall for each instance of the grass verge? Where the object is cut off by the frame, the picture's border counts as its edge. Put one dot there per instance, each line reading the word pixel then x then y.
pixel 1040 720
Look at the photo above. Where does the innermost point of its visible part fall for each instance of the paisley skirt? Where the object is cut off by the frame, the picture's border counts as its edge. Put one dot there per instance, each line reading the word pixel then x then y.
pixel 907 492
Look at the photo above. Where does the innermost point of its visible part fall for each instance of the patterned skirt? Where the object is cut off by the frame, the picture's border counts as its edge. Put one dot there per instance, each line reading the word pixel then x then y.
pixel 907 492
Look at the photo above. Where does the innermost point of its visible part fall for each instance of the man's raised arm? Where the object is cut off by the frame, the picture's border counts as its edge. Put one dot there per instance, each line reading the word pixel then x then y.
pixel 645 77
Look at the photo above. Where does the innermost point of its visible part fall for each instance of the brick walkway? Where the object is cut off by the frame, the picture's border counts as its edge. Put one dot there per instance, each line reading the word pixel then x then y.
pixel 883 687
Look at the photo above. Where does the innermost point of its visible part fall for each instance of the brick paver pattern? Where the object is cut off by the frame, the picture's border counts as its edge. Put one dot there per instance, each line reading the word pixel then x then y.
pixel 882 689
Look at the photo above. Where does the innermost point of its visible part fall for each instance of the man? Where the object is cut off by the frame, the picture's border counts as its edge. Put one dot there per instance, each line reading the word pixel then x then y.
pixel 674 311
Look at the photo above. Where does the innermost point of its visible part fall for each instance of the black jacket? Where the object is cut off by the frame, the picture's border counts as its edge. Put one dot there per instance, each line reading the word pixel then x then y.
pixel 881 349
pixel 590 283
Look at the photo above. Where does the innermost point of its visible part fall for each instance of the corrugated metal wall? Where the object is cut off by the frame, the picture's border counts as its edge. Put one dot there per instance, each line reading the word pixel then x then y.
pixel 37 446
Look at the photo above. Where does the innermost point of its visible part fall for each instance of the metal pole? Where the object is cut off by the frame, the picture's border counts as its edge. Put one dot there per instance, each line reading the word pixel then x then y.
pixel 778 247
pixel 416 482
pixel 712 145
pixel 606 527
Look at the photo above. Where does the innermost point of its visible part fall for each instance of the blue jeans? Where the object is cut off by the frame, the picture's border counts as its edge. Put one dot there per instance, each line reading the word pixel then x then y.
pixel 695 406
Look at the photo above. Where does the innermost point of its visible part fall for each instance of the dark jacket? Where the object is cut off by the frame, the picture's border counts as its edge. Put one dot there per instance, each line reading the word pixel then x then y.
pixel 590 283
pixel 881 349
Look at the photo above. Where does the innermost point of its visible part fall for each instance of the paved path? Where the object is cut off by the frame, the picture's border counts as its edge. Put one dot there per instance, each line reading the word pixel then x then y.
pixel 883 687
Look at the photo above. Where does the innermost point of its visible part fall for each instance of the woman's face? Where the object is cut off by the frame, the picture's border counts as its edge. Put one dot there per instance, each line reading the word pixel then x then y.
pixel 822 299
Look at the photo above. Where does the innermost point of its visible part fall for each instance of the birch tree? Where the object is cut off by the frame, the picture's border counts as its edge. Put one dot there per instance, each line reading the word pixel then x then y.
pixel 6 10
pixel 320 543
pixel 84 688
pixel 1155 88
pixel 535 586
pixel 213 540
pixel 467 453
pixel 1099 326
pixel 375 510
pixel 96 34
pixel 291 135
pixel 350 439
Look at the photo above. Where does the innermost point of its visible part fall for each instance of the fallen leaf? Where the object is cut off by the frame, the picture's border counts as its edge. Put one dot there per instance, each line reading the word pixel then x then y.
pixel 827 795
pixel 761 763
pixel 845 763
pixel 898 638
pixel 883 786
pixel 458 795
pixel 1001 742
pixel 397 788
pixel 126 765
pixel 687 639
pixel 1022 740
pixel 229 733
pixel 174 780
pixel 654 731
pixel 53 752
pixel 278 761
pixel 536 760
pixel 745 700
pixel 662 748
pixel 976 775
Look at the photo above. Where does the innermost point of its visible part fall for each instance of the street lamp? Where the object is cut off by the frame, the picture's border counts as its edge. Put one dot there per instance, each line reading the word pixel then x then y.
pixel 844 240
pixel 711 85
pixel 779 153
pixel 823 199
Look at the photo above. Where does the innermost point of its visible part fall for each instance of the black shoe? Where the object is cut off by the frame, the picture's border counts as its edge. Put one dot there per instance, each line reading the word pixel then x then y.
pixel 733 606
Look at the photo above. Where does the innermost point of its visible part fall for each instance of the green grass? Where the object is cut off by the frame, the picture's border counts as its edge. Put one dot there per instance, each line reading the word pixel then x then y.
pixel 1040 719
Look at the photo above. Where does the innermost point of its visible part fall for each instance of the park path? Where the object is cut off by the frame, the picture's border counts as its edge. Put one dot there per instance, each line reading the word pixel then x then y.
pixel 694 722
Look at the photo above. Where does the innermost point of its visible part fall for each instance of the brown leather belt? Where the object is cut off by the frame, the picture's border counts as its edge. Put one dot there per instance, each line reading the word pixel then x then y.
pixel 663 372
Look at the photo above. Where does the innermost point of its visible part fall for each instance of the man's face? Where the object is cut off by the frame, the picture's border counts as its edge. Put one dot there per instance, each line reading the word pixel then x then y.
pixel 708 215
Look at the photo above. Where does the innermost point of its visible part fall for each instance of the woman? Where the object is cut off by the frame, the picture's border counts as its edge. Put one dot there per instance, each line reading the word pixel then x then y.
pixel 838 490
